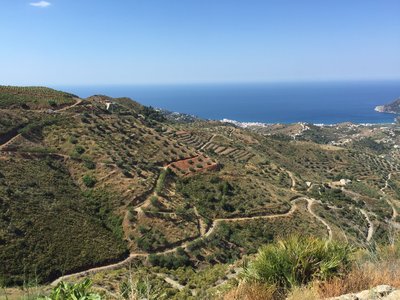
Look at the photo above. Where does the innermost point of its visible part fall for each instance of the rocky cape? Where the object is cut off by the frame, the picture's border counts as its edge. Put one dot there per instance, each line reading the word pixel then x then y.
pixel 393 107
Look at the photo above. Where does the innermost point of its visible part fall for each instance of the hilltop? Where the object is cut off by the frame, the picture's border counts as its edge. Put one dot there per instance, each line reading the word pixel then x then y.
pixel 103 187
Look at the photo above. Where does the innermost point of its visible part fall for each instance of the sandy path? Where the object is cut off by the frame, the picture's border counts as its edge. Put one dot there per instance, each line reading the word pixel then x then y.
pixel 175 284
pixel 394 210
pixel 293 184
pixel 184 245
pixel 202 225
pixel 310 203
pixel 78 101
pixel 10 141
pixel 216 222
pixel 370 225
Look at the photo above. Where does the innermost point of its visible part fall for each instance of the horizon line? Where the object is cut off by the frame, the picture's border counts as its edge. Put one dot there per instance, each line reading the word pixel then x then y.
pixel 205 82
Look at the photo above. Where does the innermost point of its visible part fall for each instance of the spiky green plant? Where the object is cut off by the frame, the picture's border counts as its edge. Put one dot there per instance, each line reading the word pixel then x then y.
pixel 140 288
pixel 298 260
pixel 77 291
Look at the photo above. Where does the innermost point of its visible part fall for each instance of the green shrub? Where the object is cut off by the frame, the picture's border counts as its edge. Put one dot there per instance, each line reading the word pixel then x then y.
pixel 185 212
pixel 132 216
pixel 79 149
pixel 89 164
pixel 154 201
pixel 77 291
pixel 73 140
pixel 151 239
pixel 152 114
pixel 297 261
pixel 89 181
pixel 127 173
pixel 52 103
pixel 215 179
pixel 172 260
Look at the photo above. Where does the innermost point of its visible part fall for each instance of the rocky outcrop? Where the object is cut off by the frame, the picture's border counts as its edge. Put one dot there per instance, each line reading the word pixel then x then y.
pixel 382 292
pixel 393 108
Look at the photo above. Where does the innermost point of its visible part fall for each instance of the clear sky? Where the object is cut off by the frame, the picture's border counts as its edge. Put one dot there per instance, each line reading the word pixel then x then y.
pixel 187 41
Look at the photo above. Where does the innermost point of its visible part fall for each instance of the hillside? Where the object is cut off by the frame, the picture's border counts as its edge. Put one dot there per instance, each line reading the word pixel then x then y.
pixel 393 107
pixel 108 187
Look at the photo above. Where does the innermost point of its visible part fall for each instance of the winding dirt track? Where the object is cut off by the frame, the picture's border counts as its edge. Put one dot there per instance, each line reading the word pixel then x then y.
pixel 202 225
pixel 293 185
pixel 310 203
pixel 184 245
pixel 203 235
pixel 175 284
pixel 216 222
pixel 370 225
pixel 78 101
pixel 395 213
pixel 10 141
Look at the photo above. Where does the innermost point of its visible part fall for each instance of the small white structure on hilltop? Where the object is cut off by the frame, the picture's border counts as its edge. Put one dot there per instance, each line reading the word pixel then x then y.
pixel 108 105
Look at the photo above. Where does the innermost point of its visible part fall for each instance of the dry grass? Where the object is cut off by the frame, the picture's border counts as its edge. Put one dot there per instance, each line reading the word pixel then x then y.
pixel 361 278
pixel 383 267
pixel 252 291
pixel 303 293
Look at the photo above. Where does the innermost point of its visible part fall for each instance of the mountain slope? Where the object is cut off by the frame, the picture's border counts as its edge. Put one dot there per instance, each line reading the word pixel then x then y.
pixel 87 183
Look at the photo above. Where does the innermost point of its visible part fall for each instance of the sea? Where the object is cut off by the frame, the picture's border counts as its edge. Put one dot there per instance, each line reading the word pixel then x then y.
pixel 289 102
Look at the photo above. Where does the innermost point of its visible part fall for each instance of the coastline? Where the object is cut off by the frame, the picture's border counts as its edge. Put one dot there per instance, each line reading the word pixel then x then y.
pixel 314 103
pixel 382 109
pixel 261 124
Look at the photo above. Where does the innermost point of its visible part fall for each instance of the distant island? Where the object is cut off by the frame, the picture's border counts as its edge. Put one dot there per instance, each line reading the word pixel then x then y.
pixel 392 108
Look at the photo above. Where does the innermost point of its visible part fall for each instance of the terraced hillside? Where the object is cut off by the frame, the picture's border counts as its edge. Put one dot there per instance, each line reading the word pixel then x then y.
pixel 127 189
pixel 97 153
pixel 34 98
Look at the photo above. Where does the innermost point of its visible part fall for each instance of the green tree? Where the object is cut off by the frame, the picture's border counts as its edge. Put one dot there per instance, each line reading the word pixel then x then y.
pixel 89 181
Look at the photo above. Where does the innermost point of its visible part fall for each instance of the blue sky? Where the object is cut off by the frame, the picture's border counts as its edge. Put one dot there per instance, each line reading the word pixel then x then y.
pixel 90 42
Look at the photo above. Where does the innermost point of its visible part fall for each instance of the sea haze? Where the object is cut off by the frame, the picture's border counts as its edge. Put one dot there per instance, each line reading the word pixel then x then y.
pixel 323 102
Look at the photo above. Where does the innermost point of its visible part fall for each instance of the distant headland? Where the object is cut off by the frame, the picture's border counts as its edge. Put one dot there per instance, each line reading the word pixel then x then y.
pixel 392 108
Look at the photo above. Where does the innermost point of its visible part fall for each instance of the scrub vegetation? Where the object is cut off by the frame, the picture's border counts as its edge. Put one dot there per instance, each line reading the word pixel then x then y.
pixel 112 188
